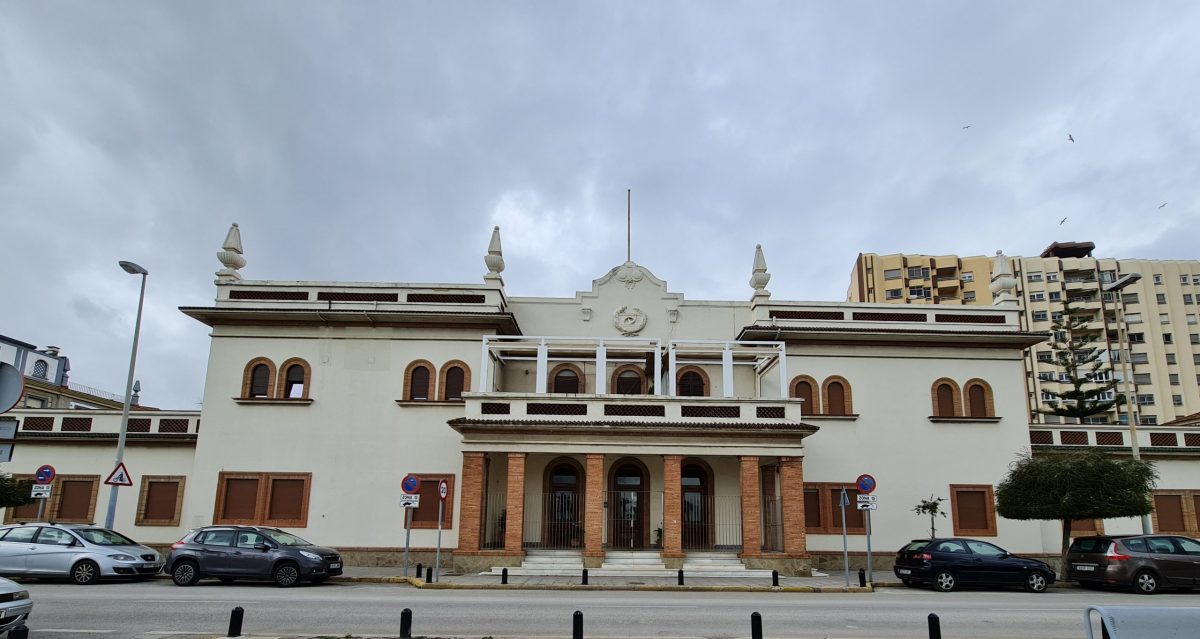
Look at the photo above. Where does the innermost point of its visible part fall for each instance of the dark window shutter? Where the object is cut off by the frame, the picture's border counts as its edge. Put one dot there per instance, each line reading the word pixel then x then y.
pixel 428 511
pixel 566 381
pixel 287 499
pixel 804 391
pixel 691 384
pixel 418 383
pixel 455 378
pixel 854 516
pixel 241 497
pixel 977 400
pixel 972 510
pixel 629 383
pixel 945 401
pixel 260 381
pixel 837 399
pixel 28 512
pixel 295 382
pixel 160 500
pixel 1085 526
pixel 812 508
pixel 76 500
pixel 1170 513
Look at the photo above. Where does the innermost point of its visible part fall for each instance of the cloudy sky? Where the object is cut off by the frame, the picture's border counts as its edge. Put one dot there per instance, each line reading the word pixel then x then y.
pixel 382 141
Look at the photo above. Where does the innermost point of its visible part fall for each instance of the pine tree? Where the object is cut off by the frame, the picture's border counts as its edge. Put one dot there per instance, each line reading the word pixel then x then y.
pixel 1076 354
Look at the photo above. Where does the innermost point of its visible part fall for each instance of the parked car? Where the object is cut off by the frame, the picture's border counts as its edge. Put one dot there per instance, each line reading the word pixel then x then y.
pixel 249 552
pixel 83 552
pixel 15 605
pixel 1146 563
pixel 950 563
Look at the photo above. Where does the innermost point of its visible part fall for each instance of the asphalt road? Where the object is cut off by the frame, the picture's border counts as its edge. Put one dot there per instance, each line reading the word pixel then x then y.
pixel 159 610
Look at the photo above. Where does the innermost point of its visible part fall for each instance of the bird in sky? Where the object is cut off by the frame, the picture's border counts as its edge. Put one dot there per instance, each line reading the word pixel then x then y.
pixel 967 127
pixel 1070 137
pixel 1162 205
pixel 1060 222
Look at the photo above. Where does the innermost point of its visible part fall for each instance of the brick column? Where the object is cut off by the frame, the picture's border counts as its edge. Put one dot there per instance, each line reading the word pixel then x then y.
pixel 470 509
pixel 514 526
pixel 751 508
pixel 593 518
pixel 791 481
pixel 672 506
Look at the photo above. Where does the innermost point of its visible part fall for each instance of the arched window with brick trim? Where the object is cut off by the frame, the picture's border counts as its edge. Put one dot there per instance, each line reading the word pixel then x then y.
pixel 805 388
pixel 978 395
pixel 418 381
pixel 629 380
pixel 295 381
pixel 835 394
pixel 258 379
pixel 692 381
pixel 455 379
pixel 567 378
pixel 947 401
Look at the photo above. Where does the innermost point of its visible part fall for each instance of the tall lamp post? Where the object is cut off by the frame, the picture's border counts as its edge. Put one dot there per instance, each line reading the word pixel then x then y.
pixel 1131 414
pixel 132 269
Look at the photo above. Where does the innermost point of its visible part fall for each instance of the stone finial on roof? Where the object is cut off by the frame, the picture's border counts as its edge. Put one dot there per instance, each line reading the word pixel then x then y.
pixel 231 257
pixel 1004 284
pixel 494 258
pixel 759 276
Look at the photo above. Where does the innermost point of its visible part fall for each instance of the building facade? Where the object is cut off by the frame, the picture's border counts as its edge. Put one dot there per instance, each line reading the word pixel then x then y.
pixel 47 381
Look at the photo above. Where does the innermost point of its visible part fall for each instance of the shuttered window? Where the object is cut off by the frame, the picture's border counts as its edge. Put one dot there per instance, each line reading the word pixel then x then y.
pixel 160 500
pixel 294 382
pixel 418 384
pixel 945 401
pixel 74 499
pixel 260 381
pixel 804 390
pixel 823 513
pixel 691 384
pixel 286 500
pixel 812 508
pixel 241 497
pixel 455 378
pixel 271 499
pixel 28 512
pixel 427 515
pixel 974 510
pixel 1168 509
pixel 837 399
pixel 566 381
pixel 977 401
pixel 629 383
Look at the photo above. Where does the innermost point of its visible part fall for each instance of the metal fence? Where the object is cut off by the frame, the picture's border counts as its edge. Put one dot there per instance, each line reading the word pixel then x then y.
pixel 495 522
pixel 772 521
pixel 554 521
pixel 711 522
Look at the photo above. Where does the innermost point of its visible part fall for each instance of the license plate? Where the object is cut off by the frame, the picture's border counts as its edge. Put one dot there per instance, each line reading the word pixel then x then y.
pixel 904 571
pixel 1084 568
pixel 337 565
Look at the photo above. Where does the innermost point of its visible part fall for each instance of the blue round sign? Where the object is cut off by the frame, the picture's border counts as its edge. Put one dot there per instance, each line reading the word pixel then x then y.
pixel 410 484
pixel 44 475
pixel 865 484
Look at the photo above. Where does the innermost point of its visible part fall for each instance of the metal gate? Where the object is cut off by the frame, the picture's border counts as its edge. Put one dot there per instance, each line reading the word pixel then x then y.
pixel 628 517
pixel 711 522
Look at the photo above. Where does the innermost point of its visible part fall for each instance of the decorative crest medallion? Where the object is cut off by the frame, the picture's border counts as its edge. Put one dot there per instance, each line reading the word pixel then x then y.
pixel 630 320
pixel 630 274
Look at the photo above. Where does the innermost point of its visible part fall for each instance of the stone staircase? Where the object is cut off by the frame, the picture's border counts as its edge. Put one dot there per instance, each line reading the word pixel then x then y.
pixel 630 563
pixel 547 563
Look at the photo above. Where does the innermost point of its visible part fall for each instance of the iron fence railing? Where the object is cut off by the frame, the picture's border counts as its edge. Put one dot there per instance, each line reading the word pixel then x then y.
pixel 554 521
pixel 495 520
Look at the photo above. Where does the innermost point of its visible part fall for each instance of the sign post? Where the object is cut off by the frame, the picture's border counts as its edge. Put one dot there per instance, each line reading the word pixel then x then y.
pixel 844 501
pixel 411 485
pixel 866 485
pixel 443 491
pixel 42 477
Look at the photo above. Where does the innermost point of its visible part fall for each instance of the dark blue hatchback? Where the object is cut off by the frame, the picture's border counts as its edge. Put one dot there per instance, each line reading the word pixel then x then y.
pixel 951 563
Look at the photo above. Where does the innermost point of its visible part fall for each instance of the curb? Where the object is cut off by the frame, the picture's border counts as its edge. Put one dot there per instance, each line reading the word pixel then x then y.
pixel 421 583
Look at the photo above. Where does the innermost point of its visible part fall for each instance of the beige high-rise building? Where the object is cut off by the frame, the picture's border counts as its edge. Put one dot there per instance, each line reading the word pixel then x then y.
pixel 1160 312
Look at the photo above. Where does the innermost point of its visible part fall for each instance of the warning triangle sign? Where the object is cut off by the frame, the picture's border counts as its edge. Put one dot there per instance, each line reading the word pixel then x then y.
pixel 119 476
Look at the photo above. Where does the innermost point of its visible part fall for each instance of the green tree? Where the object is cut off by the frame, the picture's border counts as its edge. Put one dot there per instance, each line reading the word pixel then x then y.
pixel 1077 355
pixel 933 508
pixel 1075 486
pixel 13 492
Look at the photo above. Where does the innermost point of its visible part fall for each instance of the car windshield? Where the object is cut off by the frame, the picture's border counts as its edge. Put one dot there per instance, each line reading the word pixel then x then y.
pixel 104 537
pixel 915 546
pixel 284 539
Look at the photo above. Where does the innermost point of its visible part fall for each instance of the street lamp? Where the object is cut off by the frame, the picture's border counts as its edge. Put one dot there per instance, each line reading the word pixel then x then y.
pixel 132 269
pixel 1131 414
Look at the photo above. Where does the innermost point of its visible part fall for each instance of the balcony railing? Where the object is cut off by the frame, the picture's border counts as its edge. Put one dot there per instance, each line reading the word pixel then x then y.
pixel 34 422
pixel 1154 437
pixel 635 408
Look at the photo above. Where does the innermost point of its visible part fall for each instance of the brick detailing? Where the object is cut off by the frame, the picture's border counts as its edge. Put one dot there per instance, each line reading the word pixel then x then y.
pixel 293 296
pixel 555 409
pixel 846 405
pixel 37 423
pixel 344 296
pixel 407 390
pixel 989 404
pixel 140 425
pixel 172 425
pixel 76 424
pixel 955 396
pixel 963 318
pixel 811 394
pixel 281 391
pixel 809 315
pixel 250 369
pixel 1073 437
pixel 445 298
pixel 890 317
pixel 593 506
pixel 494 408
pixel 791 483
pixel 1191 439
pixel 1041 437
pixel 466 370
pixel 1164 439
pixel 672 506
pixel 514 529
pixel 719 412
pixel 1107 438
pixel 634 410
pixel 751 508
pixel 769 412
pixel 471 503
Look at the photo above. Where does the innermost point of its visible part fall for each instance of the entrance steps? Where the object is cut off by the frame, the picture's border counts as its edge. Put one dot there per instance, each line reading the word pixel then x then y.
pixel 630 563
pixel 546 563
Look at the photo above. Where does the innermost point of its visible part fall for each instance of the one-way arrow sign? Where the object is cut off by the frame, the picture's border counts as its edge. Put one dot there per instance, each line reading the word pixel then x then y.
pixel 119 476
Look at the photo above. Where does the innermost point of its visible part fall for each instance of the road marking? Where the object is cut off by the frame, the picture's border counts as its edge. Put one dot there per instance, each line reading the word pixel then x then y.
pixel 73 630
pixel 631 606
pixel 178 601
pixel 1035 609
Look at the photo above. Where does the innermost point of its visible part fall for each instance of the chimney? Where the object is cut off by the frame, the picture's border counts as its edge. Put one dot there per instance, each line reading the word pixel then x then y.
pixel 52 351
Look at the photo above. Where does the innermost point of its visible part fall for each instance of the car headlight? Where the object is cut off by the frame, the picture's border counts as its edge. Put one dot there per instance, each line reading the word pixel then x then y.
pixel 20 594
pixel 310 555
pixel 123 557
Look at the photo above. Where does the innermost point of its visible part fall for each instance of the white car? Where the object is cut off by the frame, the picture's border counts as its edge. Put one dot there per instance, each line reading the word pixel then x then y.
pixel 15 605
pixel 82 552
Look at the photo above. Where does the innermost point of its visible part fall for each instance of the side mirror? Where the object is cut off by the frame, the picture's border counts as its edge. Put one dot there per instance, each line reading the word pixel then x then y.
pixel 1005 555
pixel 262 547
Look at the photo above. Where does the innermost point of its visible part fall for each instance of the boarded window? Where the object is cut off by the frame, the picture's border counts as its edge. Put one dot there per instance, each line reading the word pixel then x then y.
pixel 76 501
pixel 837 399
pixel 812 508
pixel 691 384
pixel 854 516
pixel 804 390
pixel 945 400
pixel 426 516
pixel 241 499
pixel 287 499
pixel 1084 527
pixel 28 512
pixel 1169 511
pixel 160 501
pixel 260 381
pixel 418 384
pixel 294 382
pixel 271 499
pixel 977 401
pixel 455 379
pixel 566 381
pixel 973 508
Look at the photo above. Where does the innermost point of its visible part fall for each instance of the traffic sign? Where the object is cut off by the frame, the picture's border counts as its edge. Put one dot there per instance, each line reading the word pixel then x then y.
pixel 410 501
pixel 44 475
pixel 865 483
pixel 868 499
pixel 443 489
pixel 411 484
pixel 862 505
pixel 119 476
pixel 41 491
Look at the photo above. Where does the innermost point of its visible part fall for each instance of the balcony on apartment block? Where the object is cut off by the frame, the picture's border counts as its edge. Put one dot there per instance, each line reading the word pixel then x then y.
pixel 1152 439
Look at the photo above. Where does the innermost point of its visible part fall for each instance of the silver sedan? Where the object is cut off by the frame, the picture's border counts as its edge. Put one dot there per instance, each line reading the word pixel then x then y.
pixel 85 553
pixel 15 605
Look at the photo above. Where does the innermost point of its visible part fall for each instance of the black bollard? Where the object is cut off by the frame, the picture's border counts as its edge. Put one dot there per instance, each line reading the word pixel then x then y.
pixel 504 576
pixel 577 625
pixel 755 626
pixel 680 578
pixel 20 632
pixel 406 624
pixel 235 622
pixel 862 578
pixel 420 570
pixel 775 578
pixel 429 575
pixel 935 627
pixel 585 576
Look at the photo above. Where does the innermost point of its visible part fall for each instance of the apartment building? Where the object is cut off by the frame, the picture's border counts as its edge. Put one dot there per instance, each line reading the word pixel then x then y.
pixel 1159 312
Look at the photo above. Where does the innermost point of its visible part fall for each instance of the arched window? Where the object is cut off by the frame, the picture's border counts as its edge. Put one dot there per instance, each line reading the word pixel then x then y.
pixel 979 399
pixel 566 378
pixel 258 379
pixel 805 388
pixel 947 402
pixel 295 381
pixel 456 378
pixel 692 382
pixel 629 380
pixel 39 369
pixel 836 393
pixel 418 381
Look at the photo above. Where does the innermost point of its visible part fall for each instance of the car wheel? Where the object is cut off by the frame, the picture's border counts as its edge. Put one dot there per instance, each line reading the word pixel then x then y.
pixel 85 573
pixel 1035 582
pixel 945 581
pixel 185 573
pixel 228 580
pixel 286 575
pixel 1145 583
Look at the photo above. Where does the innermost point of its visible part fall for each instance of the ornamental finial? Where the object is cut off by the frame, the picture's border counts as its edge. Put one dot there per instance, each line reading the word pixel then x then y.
pixel 231 257
pixel 494 258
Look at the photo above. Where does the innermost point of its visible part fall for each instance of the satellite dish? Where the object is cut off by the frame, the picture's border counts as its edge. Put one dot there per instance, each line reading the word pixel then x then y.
pixel 12 386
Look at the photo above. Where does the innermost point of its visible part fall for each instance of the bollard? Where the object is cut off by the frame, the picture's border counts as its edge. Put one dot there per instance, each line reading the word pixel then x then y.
pixel 429 575
pixel 775 578
pixel 20 632
pixel 577 625
pixel 585 576
pixel 420 570
pixel 680 579
pixel 504 576
pixel 862 578
pixel 235 622
pixel 755 626
pixel 406 624
pixel 935 627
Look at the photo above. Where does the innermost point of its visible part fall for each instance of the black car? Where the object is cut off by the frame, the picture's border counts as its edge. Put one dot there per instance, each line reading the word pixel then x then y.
pixel 249 552
pixel 950 563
